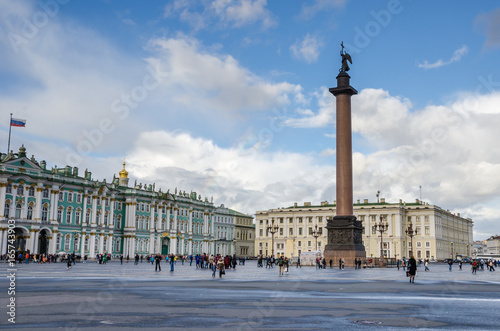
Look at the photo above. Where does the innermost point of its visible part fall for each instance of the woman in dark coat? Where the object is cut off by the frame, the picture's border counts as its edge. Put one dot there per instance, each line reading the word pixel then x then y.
pixel 412 268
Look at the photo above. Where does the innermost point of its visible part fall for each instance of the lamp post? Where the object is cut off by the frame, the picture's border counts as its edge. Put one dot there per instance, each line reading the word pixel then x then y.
pixel 381 227
pixel 411 233
pixel 272 229
pixel 316 234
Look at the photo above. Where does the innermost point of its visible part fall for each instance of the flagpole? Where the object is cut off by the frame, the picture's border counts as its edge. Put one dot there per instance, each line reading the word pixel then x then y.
pixel 10 129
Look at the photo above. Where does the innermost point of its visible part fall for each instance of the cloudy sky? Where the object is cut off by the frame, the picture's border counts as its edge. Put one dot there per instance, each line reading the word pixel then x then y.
pixel 229 98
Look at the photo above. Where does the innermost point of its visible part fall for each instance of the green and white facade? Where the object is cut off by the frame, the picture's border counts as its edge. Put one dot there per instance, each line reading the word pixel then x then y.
pixel 60 211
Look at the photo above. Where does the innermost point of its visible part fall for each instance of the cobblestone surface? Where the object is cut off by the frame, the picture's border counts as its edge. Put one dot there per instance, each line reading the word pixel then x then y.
pixel 135 296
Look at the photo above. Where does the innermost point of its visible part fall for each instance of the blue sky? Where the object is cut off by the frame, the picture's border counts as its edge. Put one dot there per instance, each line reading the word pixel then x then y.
pixel 230 97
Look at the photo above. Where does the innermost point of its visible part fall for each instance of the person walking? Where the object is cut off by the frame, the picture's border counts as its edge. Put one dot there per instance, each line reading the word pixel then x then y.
pixel 298 262
pixel 474 267
pixel 280 264
pixel 121 258
pixel 397 263
pixel 220 266
pixel 68 261
pixel 450 263
pixel 172 261
pixel 412 269
pixel 460 265
pixel 324 263
pixel 491 266
pixel 426 264
pixel 340 264
pixel 157 260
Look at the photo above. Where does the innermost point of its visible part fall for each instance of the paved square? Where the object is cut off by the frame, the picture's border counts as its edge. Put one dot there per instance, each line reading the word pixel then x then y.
pixel 107 296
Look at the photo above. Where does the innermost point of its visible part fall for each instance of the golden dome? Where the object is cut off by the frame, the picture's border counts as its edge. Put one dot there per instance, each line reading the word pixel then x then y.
pixel 123 173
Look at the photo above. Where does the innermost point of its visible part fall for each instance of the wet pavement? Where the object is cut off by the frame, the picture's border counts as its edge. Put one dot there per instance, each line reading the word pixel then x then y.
pixel 135 296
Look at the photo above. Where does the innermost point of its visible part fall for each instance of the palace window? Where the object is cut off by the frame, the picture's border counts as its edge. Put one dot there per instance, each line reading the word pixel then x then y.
pixel 30 212
pixel 8 189
pixel 59 215
pixel 309 243
pixel 18 210
pixel 86 244
pixel 61 196
pixel 20 190
pixel 6 210
pixel 45 193
pixel 374 229
pixel 67 243
pixel 107 202
pixel 89 199
pixel 290 232
pixel 44 213
pixel 31 191
pixel 77 217
pixel 87 217
pixel 310 219
pixel 58 243
pixel 79 198
pixel 261 232
pixel 300 231
pixel 427 244
pixel 299 243
pixel 105 219
pixel 281 231
pixel 77 243
pixel 427 230
pixel 281 220
pixel 70 197
pixel 300 219
pixel 68 216
pixel 320 219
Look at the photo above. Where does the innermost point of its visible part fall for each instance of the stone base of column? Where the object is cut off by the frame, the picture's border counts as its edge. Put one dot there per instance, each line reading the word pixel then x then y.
pixel 344 241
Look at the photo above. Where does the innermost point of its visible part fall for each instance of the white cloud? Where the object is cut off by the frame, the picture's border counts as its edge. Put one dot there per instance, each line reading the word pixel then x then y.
pixel 457 56
pixel 240 178
pixel 490 23
pixel 325 115
pixel 307 49
pixel 222 13
pixel 309 11
pixel 200 80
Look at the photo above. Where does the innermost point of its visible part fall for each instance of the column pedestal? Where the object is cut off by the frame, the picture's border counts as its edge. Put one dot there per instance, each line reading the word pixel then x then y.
pixel 344 240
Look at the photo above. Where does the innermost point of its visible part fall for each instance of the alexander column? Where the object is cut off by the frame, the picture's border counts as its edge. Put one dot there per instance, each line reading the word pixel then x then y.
pixel 344 231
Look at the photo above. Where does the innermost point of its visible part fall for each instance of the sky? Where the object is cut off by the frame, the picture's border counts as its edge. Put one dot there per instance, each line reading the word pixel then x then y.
pixel 229 98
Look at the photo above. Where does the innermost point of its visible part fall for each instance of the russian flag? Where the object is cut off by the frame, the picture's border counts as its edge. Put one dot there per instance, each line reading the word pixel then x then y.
pixel 17 122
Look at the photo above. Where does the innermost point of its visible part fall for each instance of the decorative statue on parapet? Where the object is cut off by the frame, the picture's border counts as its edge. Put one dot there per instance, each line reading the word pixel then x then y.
pixel 345 57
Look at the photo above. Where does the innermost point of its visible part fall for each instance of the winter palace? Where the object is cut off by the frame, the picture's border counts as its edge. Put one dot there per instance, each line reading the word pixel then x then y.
pixel 58 211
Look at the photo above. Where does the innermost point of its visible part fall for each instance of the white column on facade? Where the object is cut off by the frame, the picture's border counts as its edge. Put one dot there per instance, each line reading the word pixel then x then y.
pixel 24 205
pixel 82 244
pixel 52 242
pixel 101 242
pixel 3 189
pixel 35 235
pixel 12 212
pixel 160 218
pixel 109 243
pixel 84 211
pixel 176 229
pixel 167 221
pixel 38 203
pixel 190 223
pixel 92 245
pixel 93 217
pixel 111 215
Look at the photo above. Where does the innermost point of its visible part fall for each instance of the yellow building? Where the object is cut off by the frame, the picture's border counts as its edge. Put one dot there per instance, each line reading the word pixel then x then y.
pixel 244 230
pixel 440 233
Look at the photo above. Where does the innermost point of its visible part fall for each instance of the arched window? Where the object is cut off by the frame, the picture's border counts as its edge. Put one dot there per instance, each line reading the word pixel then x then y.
pixel 70 197
pixel 77 244
pixel 106 219
pixel 9 188
pixel 147 223
pixel 68 216
pixel 137 222
pixel 59 215
pixel 20 190
pixel 29 215
pixel 96 246
pixel 77 217
pixel 67 243
pixel 86 243
pixel 31 191
pixel 58 242
pixel 104 243
pixel 18 210
pixel 118 244
pixel 6 210
pixel 61 196
pixel 44 213
pixel 45 193
pixel 87 216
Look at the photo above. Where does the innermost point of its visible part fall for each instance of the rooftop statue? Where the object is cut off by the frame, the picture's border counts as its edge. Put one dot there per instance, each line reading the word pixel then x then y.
pixel 345 58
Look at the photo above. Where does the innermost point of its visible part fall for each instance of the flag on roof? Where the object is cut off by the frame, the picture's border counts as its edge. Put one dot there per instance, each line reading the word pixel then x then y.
pixel 17 122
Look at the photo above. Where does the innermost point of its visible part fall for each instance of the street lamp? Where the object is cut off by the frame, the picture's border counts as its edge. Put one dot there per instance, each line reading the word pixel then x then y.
pixel 316 234
pixel 272 229
pixel 381 227
pixel 411 233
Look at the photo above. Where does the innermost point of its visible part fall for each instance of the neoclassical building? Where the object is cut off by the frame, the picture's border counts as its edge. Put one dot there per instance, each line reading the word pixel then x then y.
pixel 245 234
pixel 440 233
pixel 59 210
pixel 225 243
